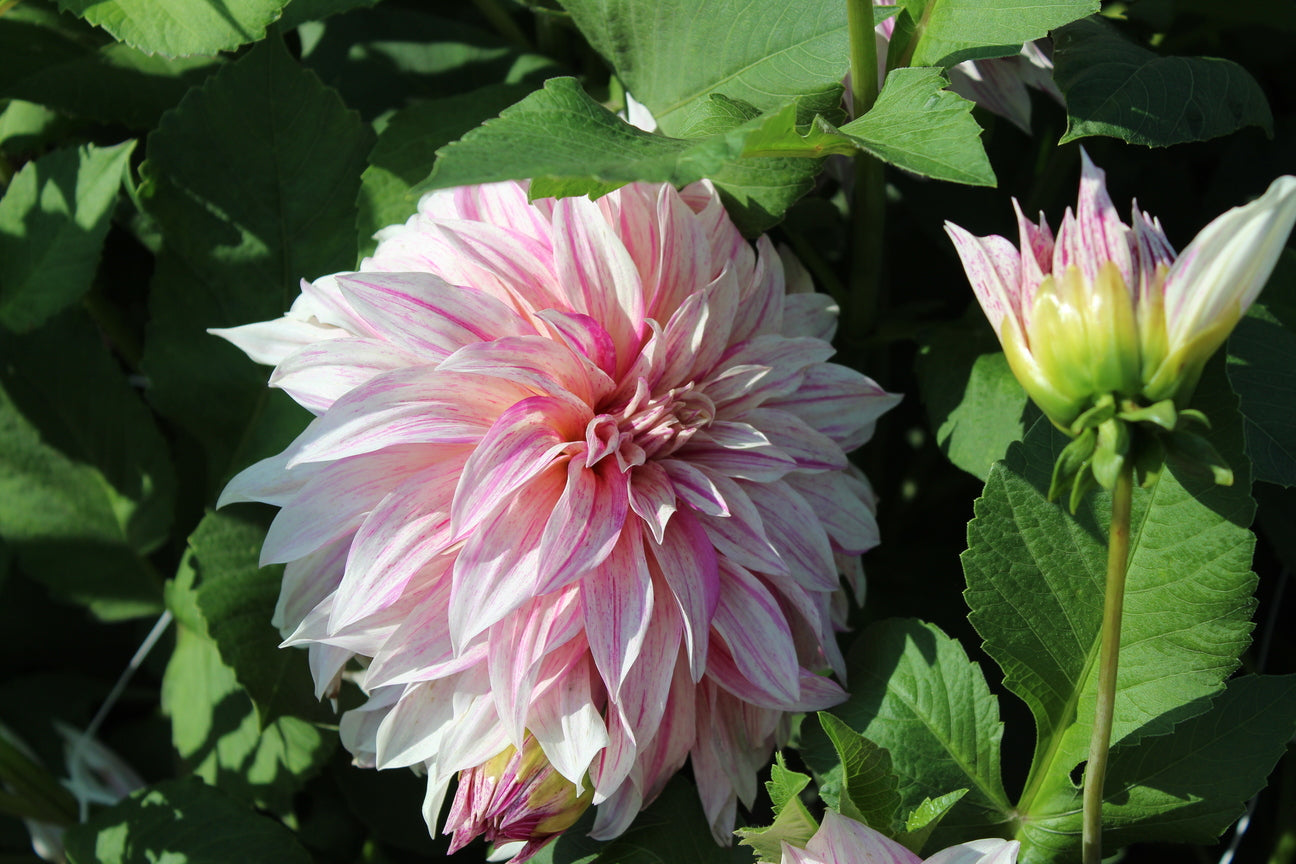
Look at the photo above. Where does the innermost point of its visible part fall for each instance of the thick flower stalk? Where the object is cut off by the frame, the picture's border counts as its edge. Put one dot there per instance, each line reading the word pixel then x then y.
pixel 577 487
pixel 1108 330
pixel 842 840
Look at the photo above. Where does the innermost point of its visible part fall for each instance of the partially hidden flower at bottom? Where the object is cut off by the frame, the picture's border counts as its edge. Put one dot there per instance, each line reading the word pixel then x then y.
pixel 842 840
pixel 577 489
pixel 1108 330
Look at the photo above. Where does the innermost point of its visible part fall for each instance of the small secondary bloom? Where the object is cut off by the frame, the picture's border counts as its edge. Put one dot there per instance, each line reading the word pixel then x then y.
pixel 577 487
pixel 1109 309
pixel 1108 331
pixel 841 840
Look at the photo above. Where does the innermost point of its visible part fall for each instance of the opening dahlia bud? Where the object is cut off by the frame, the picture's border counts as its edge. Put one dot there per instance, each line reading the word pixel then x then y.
pixel 1108 329
pixel 517 796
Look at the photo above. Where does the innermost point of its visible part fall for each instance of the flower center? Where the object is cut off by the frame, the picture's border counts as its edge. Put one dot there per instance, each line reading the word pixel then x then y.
pixel 648 426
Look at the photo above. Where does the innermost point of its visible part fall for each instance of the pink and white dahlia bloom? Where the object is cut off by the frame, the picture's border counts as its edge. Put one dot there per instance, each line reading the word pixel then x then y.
pixel 578 476
pixel 841 840
pixel 1110 309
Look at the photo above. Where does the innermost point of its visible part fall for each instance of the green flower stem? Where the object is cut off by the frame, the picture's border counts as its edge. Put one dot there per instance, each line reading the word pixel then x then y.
pixel 1109 656
pixel 868 207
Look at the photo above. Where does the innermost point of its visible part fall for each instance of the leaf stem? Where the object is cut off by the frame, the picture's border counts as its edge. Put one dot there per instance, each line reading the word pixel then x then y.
pixel 868 205
pixel 1109 655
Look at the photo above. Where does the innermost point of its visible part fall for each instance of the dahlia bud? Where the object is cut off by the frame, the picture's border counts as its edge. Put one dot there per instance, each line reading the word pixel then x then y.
pixel 1108 330
pixel 515 796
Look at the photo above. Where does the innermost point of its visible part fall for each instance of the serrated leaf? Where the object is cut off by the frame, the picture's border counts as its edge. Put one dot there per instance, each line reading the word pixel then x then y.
pixel 925 818
pixel 868 792
pixel 182 821
pixel 237 598
pixel 1035 578
pixel 53 219
pixel 253 180
pixel 569 144
pixel 923 128
pixel 673 54
pixel 784 784
pixel 1118 89
pixel 1262 370
pixel 1186 787
pixel 914 691
pixel 180 28
pixel 951 31
pixel 974 401
pixel 792 821
pixel 406 151
pixel 215 731
pixel 65 64
pixel 86 486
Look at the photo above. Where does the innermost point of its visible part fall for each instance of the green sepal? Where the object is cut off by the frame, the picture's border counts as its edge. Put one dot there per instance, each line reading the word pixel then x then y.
pixel 1072 462
pixel 1080 486
pixel 1162 414
pixel 1195 456
pixel 1196 416
pixel 1110 453
pixel 1100 413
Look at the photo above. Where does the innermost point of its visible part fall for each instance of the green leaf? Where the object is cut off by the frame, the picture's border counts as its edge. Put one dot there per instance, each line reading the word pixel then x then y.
pixel 237 598
pixel 673 54
pixel 182 821
pixel 925 818
pixel 407 147
pixel 1186 787
pixel 383 58
pixel 86 485
pixel 1118 89
pixel 951 31
pixel 26 127
pixel 570 145
pixel 1035 578
pixel 792 821
pixel 253 180
pixel 914 692
pixel 1262 370
pixel 784 785
pixel 868 792
pixel 973 400
pixel 180 28
pixel 915 124
pixel 672 829
pixel 53 220
pixel 62 63
pixel 214 728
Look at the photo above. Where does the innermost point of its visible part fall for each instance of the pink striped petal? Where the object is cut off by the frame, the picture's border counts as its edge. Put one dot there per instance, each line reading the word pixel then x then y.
pixel 426 315
pixel 652 497
pixel 340 494
pixel 617 597
pixel 320 374
pixel 687 562
pixel 585 523
pixel 751 624
pixel 795 531
pixel 839 503
pixel 812 450
pixel 583 334
pixel 567 724
pixel 993 266
pixel 407 406
pixel 546 367
pixel 497 569
pixel 596 272
pixel 525 440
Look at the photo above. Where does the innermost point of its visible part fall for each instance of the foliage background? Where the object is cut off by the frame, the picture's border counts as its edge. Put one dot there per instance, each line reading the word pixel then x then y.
pixel 151 194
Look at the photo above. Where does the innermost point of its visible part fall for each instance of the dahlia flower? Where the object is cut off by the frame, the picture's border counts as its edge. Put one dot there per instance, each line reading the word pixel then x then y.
pixel 577 481
pixel 1106 324
pixel 841 840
